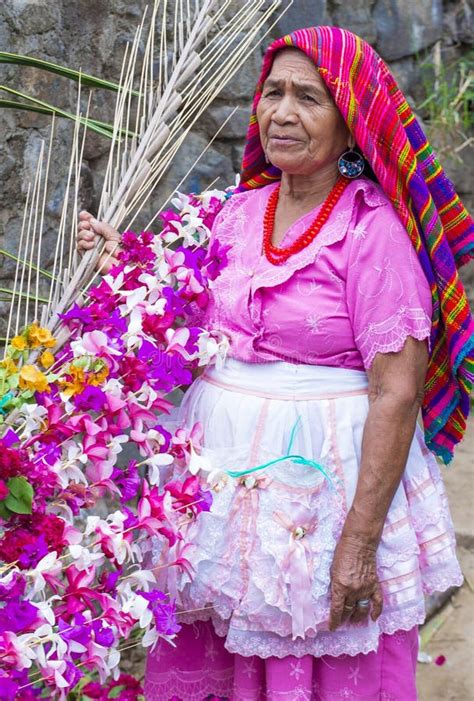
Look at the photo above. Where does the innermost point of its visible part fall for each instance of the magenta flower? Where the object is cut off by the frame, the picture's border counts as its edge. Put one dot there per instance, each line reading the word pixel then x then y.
pixel 4 491
pixel 189 495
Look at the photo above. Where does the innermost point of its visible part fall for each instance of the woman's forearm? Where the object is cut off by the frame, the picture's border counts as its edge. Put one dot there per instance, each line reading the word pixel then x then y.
pixel 386 442
pixel 395 396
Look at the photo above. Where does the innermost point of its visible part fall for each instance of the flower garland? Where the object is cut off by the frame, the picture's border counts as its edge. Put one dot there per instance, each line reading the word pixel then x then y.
pixel 82 454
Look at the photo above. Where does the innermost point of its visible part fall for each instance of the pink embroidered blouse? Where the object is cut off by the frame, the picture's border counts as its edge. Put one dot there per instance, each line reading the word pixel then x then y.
pixel 356 290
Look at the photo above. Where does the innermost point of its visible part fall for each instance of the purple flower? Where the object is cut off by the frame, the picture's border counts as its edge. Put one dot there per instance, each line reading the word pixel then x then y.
pixel 128 481
pixel 8 688
pixel 90 399
pixel 9 439
pixel 216 259
pixel 18 616
pixel 79 630
pixel 32 553
pixel 164 612
pixel 15 589
pixel 103 635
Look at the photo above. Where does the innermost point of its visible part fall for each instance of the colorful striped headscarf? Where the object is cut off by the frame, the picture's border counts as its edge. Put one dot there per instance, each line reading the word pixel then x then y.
pixel 403 161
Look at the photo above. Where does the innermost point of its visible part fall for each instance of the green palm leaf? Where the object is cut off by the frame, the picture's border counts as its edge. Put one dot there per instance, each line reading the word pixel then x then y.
pixel 85 79
pixel 45 108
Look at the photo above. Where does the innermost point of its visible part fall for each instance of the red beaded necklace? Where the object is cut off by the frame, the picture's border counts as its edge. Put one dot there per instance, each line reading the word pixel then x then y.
pixel 277 255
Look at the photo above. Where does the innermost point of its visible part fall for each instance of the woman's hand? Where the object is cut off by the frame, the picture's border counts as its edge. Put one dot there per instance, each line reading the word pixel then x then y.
pixel 87 231
pixel 354 577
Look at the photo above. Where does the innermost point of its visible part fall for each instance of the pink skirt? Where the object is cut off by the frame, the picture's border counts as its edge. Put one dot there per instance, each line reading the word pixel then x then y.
pixel 262 555
pixel 201 668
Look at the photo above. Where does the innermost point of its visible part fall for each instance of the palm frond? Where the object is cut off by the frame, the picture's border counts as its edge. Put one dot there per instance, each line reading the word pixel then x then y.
pixel 43 107
pixel 88 80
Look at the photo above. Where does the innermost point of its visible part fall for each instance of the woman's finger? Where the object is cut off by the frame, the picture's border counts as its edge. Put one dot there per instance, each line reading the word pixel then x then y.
pixel 105 263
pixel 111 247
pixel 85 245
pixel 84 215
pixel 377 603
pixel 361 613
pixel 105 230
pixel 85 235
pixel 337 609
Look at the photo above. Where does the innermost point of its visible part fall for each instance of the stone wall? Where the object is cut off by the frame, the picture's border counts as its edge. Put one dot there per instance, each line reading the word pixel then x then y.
pixel 92 34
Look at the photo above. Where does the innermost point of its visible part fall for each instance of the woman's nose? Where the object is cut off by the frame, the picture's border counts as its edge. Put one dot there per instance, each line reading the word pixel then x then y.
pixel 285 111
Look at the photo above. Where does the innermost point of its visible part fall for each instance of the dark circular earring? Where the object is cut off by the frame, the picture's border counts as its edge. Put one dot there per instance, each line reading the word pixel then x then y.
pixel 351 164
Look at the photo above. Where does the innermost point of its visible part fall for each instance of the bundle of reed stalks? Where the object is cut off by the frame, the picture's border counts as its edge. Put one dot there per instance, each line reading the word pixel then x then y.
pixel 169 78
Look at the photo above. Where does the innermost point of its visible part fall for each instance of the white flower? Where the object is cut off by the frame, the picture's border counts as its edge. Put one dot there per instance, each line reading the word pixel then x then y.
pixel 199 463
pixel 137 607
pixel 84 558
pixel 143 578
pixel 34 414
pixel 46 609
pixel 155 462
pixel 209 347
pixel 47 565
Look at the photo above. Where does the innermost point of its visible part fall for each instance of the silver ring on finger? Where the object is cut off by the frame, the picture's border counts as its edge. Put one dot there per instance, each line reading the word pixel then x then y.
pixel 363 603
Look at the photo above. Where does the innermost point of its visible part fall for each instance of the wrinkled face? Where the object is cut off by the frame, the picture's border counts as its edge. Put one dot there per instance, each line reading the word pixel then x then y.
pixel 301 129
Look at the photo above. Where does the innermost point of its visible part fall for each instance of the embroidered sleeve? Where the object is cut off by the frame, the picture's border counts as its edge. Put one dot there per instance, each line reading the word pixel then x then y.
pixel 388 295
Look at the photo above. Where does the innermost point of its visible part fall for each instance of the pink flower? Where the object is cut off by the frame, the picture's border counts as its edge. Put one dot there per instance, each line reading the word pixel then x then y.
pixel 4 491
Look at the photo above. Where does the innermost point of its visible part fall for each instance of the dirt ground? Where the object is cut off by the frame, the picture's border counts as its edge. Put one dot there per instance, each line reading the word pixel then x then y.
pixel 450 633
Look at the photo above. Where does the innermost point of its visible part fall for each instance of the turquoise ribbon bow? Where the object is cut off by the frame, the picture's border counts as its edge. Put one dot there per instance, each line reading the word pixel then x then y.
pixel 297 459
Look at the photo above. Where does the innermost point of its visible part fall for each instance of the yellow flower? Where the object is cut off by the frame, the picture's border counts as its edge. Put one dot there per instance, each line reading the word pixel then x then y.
pixel 19 343
pixel 38 336
pixel 46 359
pixel 77 382
pixel 99 377
pixel 9 365
pixel 32 378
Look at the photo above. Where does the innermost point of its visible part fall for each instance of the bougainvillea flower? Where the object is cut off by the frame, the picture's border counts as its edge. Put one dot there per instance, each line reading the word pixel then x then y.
pixel 4 491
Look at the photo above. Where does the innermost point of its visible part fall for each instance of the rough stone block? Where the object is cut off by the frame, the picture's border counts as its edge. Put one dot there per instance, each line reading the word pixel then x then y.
pixel 405 27
pixel 242 85
pixel 235 128
pixel 36 16
pixel 356 16
pixel 303 13
pixel 213 164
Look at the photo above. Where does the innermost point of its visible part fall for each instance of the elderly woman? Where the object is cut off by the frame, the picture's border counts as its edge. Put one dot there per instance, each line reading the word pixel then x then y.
pixel 345 315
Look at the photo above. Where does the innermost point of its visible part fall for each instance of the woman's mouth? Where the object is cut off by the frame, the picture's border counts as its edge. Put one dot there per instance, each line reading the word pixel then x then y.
pixel 282 141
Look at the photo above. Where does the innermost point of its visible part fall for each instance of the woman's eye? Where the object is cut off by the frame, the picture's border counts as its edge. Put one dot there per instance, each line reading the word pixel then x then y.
pixel 308 98
pixel 271 93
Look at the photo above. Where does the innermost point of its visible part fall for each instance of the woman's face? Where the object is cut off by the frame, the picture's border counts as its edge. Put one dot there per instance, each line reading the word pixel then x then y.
pixel 301 129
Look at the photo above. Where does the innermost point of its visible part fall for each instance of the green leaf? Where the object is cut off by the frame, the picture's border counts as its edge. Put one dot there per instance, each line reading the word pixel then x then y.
pixel 40 107
pixel 22 294
pixel 116 691
pixel 4 513
pixel 86 79
pixel 7 254
pixel 45 108
pixel 20 499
